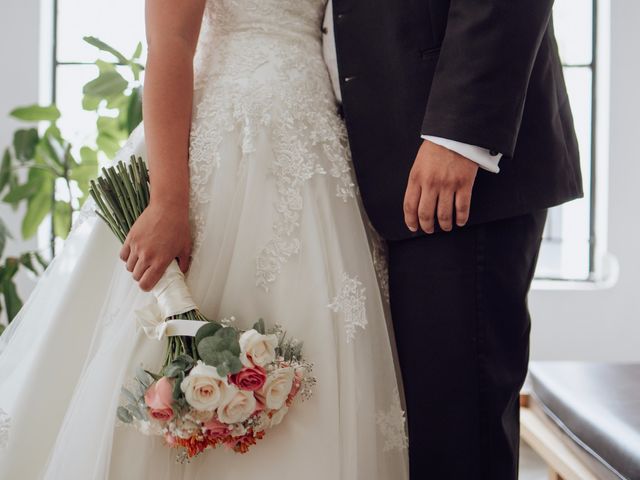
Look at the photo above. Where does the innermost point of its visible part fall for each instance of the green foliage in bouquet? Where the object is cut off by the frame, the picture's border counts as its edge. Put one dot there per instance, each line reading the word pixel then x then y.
pixel 42 170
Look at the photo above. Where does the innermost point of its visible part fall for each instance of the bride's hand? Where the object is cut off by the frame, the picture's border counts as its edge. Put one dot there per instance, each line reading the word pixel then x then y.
pixel 161 234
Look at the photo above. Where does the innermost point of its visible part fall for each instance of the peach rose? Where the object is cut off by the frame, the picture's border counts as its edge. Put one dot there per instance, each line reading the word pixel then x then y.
pixel 276 389
pixel 159 398
pixel 257 349
pixel 203 388
pixel 237 406
pixel 249 378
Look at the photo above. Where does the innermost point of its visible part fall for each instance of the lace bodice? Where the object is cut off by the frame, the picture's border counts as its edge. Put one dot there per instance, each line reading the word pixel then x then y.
pixel 284 17
pixel 259 68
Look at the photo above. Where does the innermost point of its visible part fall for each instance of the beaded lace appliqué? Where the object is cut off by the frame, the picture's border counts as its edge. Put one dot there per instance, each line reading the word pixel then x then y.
pixel 268 82
pixel 392 425
pixel 350 303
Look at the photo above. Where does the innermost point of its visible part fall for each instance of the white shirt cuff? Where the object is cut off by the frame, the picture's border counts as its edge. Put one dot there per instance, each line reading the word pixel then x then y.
pixel 480 155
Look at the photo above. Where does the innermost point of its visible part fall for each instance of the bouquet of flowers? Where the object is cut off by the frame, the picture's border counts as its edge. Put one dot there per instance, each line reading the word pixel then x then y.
pixel 219 385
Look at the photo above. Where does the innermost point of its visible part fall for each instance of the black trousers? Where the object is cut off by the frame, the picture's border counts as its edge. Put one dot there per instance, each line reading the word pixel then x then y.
pixel 459 309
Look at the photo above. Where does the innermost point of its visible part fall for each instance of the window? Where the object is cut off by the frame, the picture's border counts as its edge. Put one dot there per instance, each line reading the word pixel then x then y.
pixel 120 23
pixel 569 250
pixel 569 244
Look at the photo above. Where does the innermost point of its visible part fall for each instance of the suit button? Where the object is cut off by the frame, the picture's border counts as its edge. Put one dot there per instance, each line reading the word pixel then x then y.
pixel 341 16
pixel 493 153
pixel 349 79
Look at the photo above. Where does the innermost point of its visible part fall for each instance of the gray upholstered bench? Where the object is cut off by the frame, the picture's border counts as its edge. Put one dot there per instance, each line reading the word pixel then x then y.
pixel 583 419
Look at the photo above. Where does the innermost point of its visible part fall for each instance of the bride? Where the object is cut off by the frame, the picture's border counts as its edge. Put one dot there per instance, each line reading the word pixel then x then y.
pixel 248 158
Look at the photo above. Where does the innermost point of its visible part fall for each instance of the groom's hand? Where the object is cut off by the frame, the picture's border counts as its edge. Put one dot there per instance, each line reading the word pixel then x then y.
pixel 440 181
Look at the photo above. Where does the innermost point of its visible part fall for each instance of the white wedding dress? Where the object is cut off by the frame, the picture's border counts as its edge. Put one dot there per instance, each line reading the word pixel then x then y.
pixel 278 234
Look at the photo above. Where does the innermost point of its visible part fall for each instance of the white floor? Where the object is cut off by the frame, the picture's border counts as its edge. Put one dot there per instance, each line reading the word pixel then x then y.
pixel 531 465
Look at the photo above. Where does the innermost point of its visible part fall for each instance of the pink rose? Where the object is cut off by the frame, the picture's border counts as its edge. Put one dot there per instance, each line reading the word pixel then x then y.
pixel 159 398
pixel 249 378
pixel 215 428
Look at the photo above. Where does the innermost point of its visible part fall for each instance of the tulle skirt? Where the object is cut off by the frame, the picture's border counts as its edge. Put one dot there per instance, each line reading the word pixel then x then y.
pixel 75 342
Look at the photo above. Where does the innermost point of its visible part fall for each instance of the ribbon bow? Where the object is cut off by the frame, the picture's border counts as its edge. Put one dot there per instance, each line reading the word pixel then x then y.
pixel 154 325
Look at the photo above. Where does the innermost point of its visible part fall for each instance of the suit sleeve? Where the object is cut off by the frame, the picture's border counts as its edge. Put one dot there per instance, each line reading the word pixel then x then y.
pixel 478 91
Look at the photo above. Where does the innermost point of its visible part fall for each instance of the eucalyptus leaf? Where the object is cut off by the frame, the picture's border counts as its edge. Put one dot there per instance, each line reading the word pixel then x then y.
pixel 177 390
pixel 207 330
pixel 155 376
pixel 129 396
pixel 36 113
pixel 260 327
pixel 124 415
pixel 143 377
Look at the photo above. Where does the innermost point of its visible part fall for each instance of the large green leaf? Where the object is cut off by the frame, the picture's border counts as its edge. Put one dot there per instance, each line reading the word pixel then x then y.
pixel 86 170
pixel 38 206
pixel 91 103
pixel 36 113
pixel 134 110
pixel 137 52
pixel 62 212
pixel 11 299
pixel 107 84
pixel 24 191
pixel 24 143
pixel 4 235
pixel 108 144
pixel 5 169
pixel 99 44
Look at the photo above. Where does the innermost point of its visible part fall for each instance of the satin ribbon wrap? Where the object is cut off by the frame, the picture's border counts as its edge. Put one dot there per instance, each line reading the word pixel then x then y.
pixel 172 298
pixel 172 293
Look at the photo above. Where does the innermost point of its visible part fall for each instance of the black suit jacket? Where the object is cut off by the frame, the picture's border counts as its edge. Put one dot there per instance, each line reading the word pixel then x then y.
pixel 482 72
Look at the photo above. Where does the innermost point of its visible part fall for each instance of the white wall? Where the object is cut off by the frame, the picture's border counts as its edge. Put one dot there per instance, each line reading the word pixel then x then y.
pixel 605 324
pixel 19 85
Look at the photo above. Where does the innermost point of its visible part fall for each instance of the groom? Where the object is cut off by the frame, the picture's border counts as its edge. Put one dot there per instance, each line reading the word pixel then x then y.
pixel 462 137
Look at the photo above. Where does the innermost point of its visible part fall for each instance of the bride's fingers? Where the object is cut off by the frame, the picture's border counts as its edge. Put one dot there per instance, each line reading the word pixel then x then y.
pixel 184 261
pixel 131 261
pixel 139 269
pixel 125 251
pixel 151 275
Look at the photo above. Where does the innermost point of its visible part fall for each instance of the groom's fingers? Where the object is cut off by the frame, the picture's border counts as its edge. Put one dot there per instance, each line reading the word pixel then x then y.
pixel 445 210
pixel 427 209
pixel 463 205
pixel 411 200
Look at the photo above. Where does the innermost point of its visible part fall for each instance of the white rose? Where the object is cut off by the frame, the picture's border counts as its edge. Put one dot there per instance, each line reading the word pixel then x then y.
pixel 277 387
pixel 237 406
pixel 257 349
pixel 203 388
pixel 278 416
